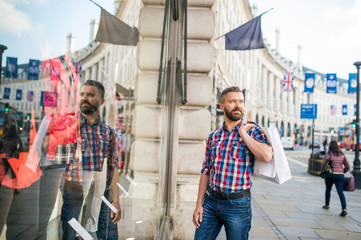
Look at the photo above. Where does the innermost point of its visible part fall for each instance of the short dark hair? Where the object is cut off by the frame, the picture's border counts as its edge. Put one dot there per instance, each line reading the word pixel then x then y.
pixel 228 90
pixel 96 84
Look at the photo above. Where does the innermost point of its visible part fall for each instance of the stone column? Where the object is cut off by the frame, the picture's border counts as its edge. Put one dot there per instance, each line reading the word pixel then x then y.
pixel 277 94
pixel 94 71
pixel 284 102
pixel 271 96
pixel 264 84
pixel 290 103
pixel 191 124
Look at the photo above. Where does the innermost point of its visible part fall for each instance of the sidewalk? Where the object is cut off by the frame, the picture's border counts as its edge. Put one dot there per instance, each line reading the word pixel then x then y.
pixel 294 210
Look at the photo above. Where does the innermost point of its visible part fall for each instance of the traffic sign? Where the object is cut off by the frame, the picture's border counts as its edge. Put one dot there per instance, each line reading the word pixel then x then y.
pixel 309 111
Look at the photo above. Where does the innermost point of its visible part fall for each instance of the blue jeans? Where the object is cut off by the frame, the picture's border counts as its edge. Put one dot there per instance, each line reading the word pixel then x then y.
pixel 106 229
pixel 339 181
pixel 235 215
pixel 72 203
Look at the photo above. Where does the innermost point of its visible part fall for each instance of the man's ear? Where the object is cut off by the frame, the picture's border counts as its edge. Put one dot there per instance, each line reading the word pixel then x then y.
pixel 102 101
pixel 221 106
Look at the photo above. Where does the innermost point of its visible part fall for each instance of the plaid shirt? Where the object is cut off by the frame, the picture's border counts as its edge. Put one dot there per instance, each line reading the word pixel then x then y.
pixel 229 162
pixel 97 143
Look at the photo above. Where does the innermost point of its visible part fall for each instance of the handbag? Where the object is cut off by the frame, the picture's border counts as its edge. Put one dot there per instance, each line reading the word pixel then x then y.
pixel 277 170
pixel 349 184
pixel 326 169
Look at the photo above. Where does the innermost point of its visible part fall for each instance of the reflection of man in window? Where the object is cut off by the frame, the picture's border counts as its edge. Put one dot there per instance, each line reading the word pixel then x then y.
pixel 92 170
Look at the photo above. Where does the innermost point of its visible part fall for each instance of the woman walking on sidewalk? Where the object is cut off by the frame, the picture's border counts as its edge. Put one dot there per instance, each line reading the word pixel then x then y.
pixel 340 165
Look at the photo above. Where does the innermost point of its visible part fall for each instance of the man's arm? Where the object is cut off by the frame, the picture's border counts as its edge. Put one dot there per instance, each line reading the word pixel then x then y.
pixel 115 193
pixel 114 187
pixel 260 150
pixel 198 212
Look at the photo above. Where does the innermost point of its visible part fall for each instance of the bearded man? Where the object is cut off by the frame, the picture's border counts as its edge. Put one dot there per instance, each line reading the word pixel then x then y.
pixel 92 171
pixel 224 196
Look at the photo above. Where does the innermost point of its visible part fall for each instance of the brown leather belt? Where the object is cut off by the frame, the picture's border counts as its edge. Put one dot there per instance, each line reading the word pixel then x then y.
pixel 225 196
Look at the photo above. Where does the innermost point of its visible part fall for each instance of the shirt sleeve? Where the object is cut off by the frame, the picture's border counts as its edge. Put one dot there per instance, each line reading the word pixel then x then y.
pixel 347 165
pixel 257 134
pixel 113 157
pixel 206 163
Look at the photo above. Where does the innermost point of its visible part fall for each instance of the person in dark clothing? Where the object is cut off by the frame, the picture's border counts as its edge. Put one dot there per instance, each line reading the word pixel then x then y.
pixel 11 143
pixel 340 166
pixel 324 144
pixel 10 201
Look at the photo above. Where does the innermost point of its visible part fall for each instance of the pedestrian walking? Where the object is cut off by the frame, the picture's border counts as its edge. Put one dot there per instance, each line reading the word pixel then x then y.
pixel 340 165
pixel 224 196
pixel 324 144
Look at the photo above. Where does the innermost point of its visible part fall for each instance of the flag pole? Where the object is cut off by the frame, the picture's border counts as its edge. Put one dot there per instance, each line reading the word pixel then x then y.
pixel 95 3
pixel 250 20
pixel 265 12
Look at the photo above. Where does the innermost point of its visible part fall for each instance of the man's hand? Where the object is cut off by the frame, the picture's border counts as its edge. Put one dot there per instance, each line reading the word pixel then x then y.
pixel 116 216
pixel 246 127
pixel 198 216
pixel 45 145
pixel 260 150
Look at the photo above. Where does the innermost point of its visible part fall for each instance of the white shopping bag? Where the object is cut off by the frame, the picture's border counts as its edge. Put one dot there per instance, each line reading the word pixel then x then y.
pixel 278 169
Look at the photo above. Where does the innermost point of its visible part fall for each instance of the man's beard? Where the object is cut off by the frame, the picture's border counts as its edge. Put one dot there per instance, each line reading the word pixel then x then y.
pixel 88 109
pixel 233 117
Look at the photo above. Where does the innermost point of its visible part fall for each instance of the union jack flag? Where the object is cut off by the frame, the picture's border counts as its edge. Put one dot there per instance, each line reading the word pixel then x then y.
pixel 288 82
pixel 77 69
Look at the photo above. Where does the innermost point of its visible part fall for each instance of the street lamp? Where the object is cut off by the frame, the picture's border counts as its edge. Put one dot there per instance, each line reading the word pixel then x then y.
pixel 356 162
pixel 2 49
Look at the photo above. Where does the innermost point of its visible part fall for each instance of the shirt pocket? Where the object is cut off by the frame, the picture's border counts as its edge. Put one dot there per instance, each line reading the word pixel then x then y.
pixel 216 150
pixel 104 141
pixel 238 151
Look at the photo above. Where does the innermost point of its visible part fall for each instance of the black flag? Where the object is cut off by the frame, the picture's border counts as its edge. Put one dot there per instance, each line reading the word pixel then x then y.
pixel 247 36
pixel 113 30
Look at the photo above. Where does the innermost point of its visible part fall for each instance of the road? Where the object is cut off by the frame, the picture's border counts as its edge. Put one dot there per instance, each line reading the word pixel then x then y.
pixel 302 154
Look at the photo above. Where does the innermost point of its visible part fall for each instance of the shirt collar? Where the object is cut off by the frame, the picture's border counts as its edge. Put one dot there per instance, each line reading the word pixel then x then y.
pixel 84 121
pixel 237 126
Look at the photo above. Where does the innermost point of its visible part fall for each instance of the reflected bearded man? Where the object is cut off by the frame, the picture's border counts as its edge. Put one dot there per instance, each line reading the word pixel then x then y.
pixel 92 171
pixel 224 196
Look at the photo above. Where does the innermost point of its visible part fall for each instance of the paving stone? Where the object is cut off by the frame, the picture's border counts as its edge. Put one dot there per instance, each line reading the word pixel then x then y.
pixel 296 222
pixel 261 230
pixel 331 226
pixel 352 227
pixel 14 231
pixel 305 216
pixel 338 235
pixel 29 233
pixel 297 232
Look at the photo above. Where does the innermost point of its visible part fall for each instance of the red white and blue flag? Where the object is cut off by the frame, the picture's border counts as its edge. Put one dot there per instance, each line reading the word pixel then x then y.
pixel 333 110
pixel 30 96
pixel 77 69
pixel 288 82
